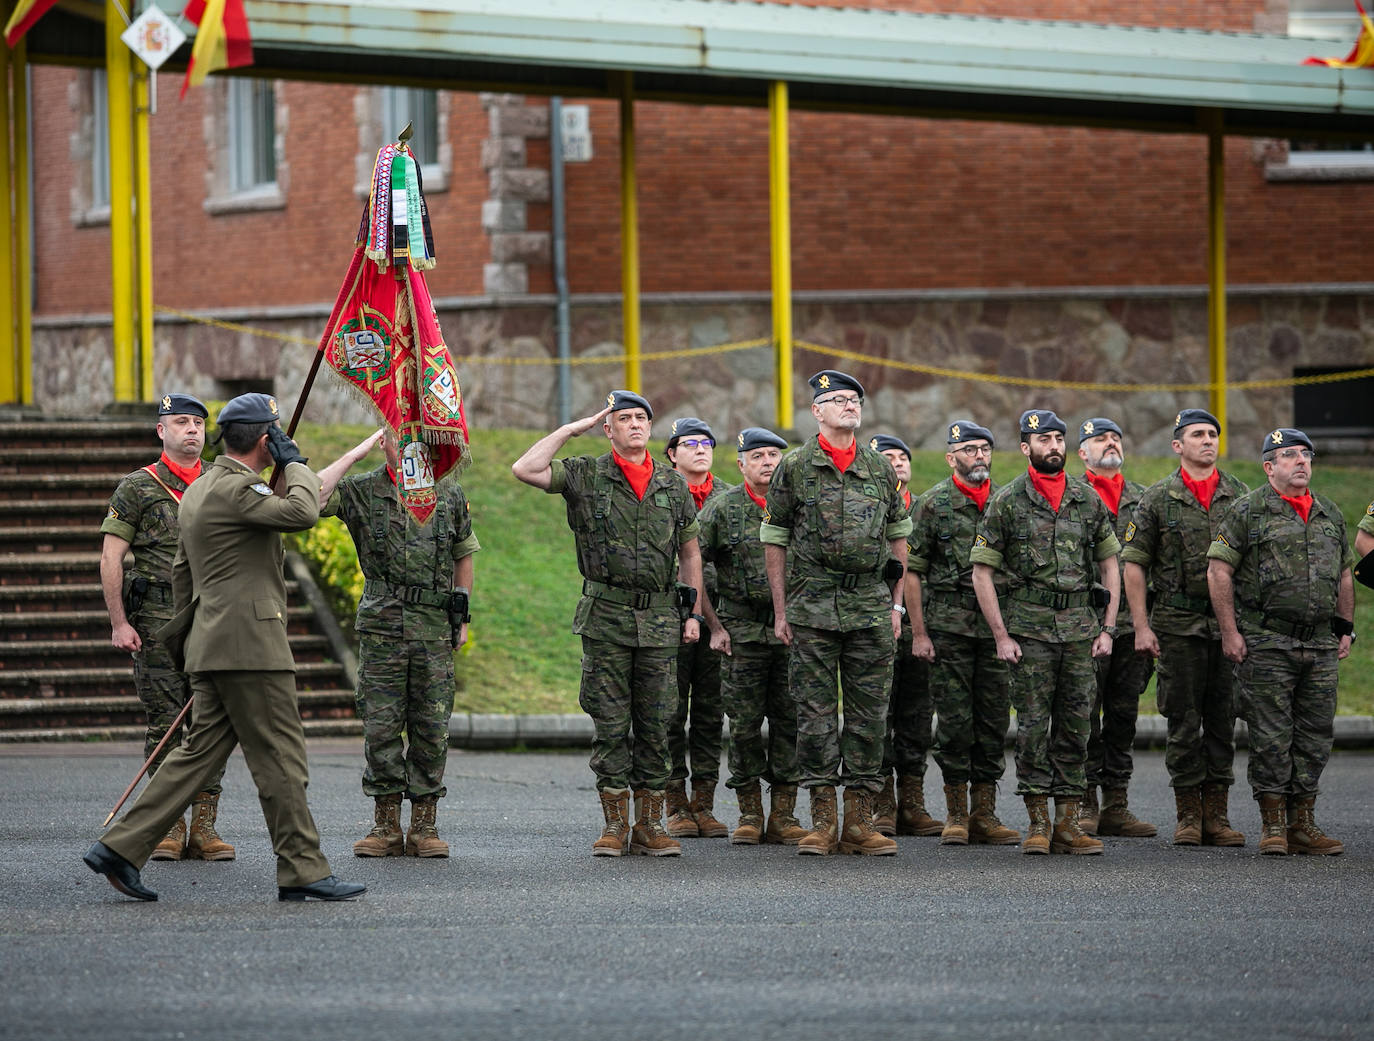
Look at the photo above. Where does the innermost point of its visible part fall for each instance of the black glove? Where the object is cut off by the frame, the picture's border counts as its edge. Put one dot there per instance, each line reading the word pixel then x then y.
pixel 283 449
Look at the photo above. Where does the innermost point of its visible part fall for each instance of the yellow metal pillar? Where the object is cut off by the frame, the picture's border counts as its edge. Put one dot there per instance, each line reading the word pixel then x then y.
pixel 144 231
pixel 1216 267
pixel 9 303
pixel 780 234
pixel 23 237
pixel 629 234
pixel 119 105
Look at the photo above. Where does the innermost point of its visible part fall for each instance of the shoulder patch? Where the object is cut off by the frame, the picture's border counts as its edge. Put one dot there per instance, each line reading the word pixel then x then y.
pixel 1222 539
pixel 1370 511
pixel 261 488
pixel 980 541
pixel 1130 531
pixel 113 514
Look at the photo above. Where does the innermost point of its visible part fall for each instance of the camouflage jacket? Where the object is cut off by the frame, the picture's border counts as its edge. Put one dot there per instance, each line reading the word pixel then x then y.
pixel 396 551
pixel 730 541
pixel 708 569
pixel 143 514
pixel 1168 537
pixel 627 544
pixel 1367 521
pixel 836 529
pixel 1050 558
pixel 944 521
pixel 1125 513
pixel 1287 572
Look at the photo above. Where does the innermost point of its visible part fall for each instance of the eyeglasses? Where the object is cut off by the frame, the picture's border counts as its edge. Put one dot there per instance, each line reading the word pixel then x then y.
pixel 973 451
pixel 1295 453
pixel 844 401
pixel 696 442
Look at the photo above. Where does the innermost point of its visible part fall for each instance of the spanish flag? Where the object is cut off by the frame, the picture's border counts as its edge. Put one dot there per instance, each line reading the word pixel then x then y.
pixel 222 40
pixel 26 12
pixel 1361 55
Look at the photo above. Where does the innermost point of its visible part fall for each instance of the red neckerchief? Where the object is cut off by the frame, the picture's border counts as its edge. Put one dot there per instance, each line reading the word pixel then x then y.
pixel 1302 505
pixel 1109 488
pixel 638 474
pixel 906 498
pixel 759 500
pixel 979 495
pixel 182 473
pixel 1202 490
pixel 699 491
pixel 1051 486
pixel 841 457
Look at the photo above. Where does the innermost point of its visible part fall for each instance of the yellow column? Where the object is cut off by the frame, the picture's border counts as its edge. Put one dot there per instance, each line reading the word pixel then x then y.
pixel 629 234
pixel 1216 267
pixel 23 239
pixel 9 358
pixel 144 232
pixel 117 79
pixel 780 233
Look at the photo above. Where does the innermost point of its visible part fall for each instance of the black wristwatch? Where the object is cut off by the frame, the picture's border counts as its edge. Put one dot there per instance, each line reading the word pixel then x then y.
pixel 1110 630
pixel 701 618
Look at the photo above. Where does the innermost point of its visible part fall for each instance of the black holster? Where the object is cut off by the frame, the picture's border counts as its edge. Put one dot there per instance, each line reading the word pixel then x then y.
pixel 134 595
pixel 686 600
pixel 1102 597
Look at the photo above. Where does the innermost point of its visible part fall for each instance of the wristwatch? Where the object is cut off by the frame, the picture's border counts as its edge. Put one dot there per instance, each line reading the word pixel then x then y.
pixel 899 608
pixel 701 618
pixel 1110 630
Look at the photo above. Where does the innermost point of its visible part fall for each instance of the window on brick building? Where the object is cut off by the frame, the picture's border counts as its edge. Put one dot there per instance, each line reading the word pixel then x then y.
pixel 100 142
pixel 382 114
pixel 89 149
pixel 1338 409
pixel 247 169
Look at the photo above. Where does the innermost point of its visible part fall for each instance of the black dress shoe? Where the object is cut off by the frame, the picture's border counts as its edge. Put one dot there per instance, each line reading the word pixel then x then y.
pixel 122 875
pixel 327 888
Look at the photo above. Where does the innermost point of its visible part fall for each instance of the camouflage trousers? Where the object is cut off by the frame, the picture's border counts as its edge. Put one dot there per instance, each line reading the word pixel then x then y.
pixel 631 695
pixel 753 683
pixel 972 696
pixel 1052 689
pixel 1288 700
pixel 1195 695
pixel 907 737
pixel 1121 679
pixel 699 708
pixel 404 698
pixel 820 664
pixel 161 688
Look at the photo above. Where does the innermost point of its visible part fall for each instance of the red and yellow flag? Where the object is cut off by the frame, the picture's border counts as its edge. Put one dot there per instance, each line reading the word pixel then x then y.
pixel 1361 56
pixel 222 40
pixel 26 12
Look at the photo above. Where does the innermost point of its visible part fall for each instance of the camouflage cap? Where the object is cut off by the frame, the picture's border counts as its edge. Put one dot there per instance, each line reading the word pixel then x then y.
pixel 1041 421
pixel 1097 425
pixel 829 380
pixel 1285 437
pixel 182 405
pixel 962 430
pixel 751 438
pixel 886 443
pixel 619 400
pixel 249 408
pixel 1189 416
pixel 686 425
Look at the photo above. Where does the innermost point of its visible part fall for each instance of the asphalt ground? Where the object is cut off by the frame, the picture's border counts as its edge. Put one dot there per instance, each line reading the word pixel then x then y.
pixel 523 934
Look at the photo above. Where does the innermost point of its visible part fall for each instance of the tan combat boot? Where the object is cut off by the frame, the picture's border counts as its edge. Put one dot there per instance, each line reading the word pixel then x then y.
pixel 885 809
pixel 385 838
pixel 1216 828
pixel 422 840
pixel 783 827
pixel 648 838
pixel 1037 838
pixel 749 832
pixel 1116 819
pixel 1273 825
pixel 1067 836
pixel 615 807
pixel 203 842
pixel 1303 834
pixel 1088 812
pixel 173 844
pixel 858 834
pixel 1188 831
pixel 984 829
pixel 824 837
pixel 912 818
pixel 955 831
pixel 680 824
pixel 703 803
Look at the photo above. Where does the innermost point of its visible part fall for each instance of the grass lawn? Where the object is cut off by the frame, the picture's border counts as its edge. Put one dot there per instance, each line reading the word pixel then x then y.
pixel 522 656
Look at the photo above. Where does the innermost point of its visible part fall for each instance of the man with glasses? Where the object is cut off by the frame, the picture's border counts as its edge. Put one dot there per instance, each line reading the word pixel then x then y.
pixel 968 682
pixel 691 450
pixel 1165 552
pixel 833 519
pixel 1281 586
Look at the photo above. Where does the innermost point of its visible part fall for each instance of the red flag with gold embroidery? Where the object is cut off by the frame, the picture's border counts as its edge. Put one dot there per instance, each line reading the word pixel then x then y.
pixel 1361 56
pixel 222 39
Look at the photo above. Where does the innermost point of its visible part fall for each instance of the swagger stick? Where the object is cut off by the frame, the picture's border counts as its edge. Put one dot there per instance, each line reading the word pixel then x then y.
pixel 176 725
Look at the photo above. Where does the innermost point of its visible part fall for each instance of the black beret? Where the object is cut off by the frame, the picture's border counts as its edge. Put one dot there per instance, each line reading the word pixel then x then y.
pixel 828 380
pixel 886 442
pixel 1040 421
pixel 249 408
pixel 623 399
pixel 962 430
pixel 1097 425
pixel 1285 437
pixel 751 438
pixel 1189 416
pixel 182 405
pixel 686 425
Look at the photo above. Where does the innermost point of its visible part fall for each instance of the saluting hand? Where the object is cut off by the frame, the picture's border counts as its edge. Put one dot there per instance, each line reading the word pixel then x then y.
pixel 581 426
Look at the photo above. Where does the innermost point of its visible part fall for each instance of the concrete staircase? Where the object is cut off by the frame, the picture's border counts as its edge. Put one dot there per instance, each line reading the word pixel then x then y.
pixel 59 677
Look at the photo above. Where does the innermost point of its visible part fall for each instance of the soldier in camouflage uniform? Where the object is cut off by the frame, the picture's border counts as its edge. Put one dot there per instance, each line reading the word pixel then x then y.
pixel 1364 538
pixel 412 616
pixel 907 738
pixel 635 529
pixel 754 664
pixel 834 517
pixel 1122 677
pixel 1165 551
pixel 1281 585
pixel 143 517
pixel 1053 538
pixel 969 683
pixel 691 451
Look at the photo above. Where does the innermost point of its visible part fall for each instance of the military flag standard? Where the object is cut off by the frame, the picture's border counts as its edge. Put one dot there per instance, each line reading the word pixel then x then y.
pixel 1361 56
pixel 222 39
pixel 25 13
